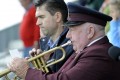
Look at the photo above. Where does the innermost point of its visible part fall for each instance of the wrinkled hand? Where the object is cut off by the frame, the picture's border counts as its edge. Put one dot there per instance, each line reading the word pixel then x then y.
pixel 19 66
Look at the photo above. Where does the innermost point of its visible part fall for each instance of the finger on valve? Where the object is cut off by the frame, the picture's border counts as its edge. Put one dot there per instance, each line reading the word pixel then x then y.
pixel 33 52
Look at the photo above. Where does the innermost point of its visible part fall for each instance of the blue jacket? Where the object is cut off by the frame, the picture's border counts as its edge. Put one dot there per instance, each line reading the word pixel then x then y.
pixel 58 53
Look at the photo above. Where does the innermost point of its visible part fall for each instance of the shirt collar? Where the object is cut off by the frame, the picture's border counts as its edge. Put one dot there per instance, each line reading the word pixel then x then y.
pixel 51 44
pixel 94 41
pixel 50 41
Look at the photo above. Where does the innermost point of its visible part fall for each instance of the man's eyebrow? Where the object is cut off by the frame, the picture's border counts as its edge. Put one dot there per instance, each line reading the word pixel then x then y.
pixel 39 15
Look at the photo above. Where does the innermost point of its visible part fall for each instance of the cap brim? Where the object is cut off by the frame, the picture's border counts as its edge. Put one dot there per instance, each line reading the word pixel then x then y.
pixel 73 23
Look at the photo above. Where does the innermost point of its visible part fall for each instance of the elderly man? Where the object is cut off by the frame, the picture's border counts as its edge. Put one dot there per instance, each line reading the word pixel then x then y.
pixel 90 61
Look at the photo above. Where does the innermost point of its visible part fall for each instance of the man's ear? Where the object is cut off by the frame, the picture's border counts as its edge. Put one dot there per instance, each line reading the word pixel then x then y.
pixel 58 16
pixel 91 31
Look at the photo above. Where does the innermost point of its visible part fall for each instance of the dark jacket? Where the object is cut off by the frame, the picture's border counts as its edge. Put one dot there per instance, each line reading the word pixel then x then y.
pixel 93 63
pixel 58 53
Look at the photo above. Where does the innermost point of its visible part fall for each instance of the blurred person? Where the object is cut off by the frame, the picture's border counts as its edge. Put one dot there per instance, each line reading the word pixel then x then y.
pixel 29 31
pixel 114 32
pixel 106 10
pixel 103 7
pixel 90 61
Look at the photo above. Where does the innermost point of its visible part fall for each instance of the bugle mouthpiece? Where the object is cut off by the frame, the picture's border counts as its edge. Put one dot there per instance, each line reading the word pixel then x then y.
pixel 68 43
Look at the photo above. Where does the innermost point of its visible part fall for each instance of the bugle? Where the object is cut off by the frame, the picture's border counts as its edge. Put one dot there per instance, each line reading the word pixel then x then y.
pixel 39 62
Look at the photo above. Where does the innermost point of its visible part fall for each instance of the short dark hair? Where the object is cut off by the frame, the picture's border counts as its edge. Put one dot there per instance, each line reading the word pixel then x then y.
pixel 52 6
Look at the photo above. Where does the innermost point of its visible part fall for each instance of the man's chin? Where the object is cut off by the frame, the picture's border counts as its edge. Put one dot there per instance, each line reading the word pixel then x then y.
pixel 74 49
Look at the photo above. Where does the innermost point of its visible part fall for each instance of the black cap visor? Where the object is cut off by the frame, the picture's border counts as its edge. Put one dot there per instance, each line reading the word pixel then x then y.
pixel 73 23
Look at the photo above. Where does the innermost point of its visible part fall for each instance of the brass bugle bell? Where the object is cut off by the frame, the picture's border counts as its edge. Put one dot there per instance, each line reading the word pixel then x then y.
pixel 39 61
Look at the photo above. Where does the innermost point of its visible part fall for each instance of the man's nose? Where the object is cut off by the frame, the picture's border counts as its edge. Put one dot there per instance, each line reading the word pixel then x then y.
pixel 38 22
pixel 68 35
